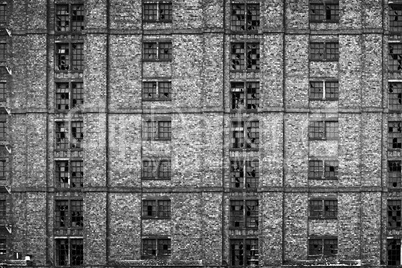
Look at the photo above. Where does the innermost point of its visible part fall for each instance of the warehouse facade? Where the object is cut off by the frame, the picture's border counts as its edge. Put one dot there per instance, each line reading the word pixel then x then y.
pixel 200 133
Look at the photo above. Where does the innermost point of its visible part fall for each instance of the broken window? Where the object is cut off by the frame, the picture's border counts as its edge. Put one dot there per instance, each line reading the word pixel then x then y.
pixel 324 11
pixel 245 95
pixel 244 252
pixel 395 57
pixel 69 252
pixel 245 56
pixel 69 135
pixel 394 252
pixel 3 91
pixel 2 209
pixel 157 90
pixel 244 174
pixel 70 18
pixel 244 214
pixel 394 135
pixel 319 247
pixel 245 17
pixel 324 90
pixel 3 13
pixel 158 209
pixel 157 12
pixel 69 214
pixel 394 213
pixel 324 51
pixel 156 169
pixel 3 248
pixel 69 174
pixel 157 130
pixel 69 57
pixel 156 248
pixel 3 49
pixel 323 130
pixel 323 208
pixel 69 95
pixel 323 169
pixel 158 51
pixel 245 135
pixel 395 19
pixel 3 126
pixel 395 96
pixel 394 174
pixel 2 169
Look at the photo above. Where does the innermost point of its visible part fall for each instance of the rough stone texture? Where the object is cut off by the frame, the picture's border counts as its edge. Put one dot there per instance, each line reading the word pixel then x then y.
pixel 351 17
pixel 372 71
pixel 95 16
pixel 371 227
pixel 271 15
pixel 187 14
pixel 297 14
pixel 372 14
pixel 213 13
pixel 158 69
pixel 125 74
pixel 18 20
pixel 271 228
pixel 18 94
pixel 349 226
pixel 125 221
pixel 295 236
pixel 271 83
pixel 125 150
pixel 319 69
pixel 19 166
pixel 371 149
pixel 296 71
pixel 321 149
pixel 125 15
pixel 36 15
pixel 296 149
pixel 349 149
pixel 323 227
pixel 95 228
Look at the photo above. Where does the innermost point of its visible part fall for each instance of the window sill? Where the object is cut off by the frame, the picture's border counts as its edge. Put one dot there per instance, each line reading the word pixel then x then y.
pixel 244 31
pixel 243 228
pixel 164 257
pixel 68 71
pixel 312 99
pixel 156 139
pixel 157 60
pixel 155 179
pixel 245 70
pixel 242 189
pixel 157 21
pixel 234 110
pixel 322 218
pixel 157 99
pixel 244 149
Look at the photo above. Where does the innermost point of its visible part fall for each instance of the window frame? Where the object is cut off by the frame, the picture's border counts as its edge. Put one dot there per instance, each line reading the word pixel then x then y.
pixel 69 251
pixel 156 209
pixel 324 90
pixel 156 129
pixel 326 51
pixel 158 13
pixel 72 92
pixel 245 90
pixel 68 218
pixel 248 254
pixel 156 169
pixel 239 218
pixel 246 60
pixel 397 243
pixel 393 30
pixel 3 169
pixel 3 90
pixel 78 146
pixel 4 127
pixel 322 212
pixel 245 15
pixel 157 242
pixel 322 164
pixel 394 139
pixel 3 17
pixel 158 51
pixel 3 248
pixel 395 108
pixel 398 217
pixel 324 129
pixel 158 92
pixel 324 4
pixel 242 170
pixel 324 250
pixel 394 173
pixel 72 59
pixel 244 124
pixel 70 16
pixel 70 171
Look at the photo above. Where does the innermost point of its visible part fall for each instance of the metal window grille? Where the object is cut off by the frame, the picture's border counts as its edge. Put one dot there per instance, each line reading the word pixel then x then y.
pixel 394 135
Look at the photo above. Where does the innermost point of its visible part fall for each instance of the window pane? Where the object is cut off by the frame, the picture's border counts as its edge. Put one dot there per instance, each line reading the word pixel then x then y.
pixel 3 13
pixel 62 174
pixel 253 134
pixel 394 135
pixel 331 129
pixel 252 252
pixel 2 169
pixel 78 94
pixel 330 247
pixel 62 220
pixel 316 130
pixel 331 208
pixel 236 174
pixel 165 11
pixel 238 19
pixel 331 169
pixel 237 134
pixel 253 56
pixel 331 90
pixel 62 57
pixel 316 90
pixel 394 251
pixel 164 129
pixel 78 56
pixel 148 168
pixel 395 58
pixel 253 95
pixel 395 96
pixel 165 90
pixel 77 174
pixel 395 19
pixel 150 11
pixel 252 214
pixel 164 208
pixel 77 252
pixel 238 97
pixel 317 51
pixel 394 174
pixel 237 56
pixel 164 169
pixel 253 17
pixel 149 247
pixel 164 247
pixel 62 96
pixel 252 174
pixel 237 252
pixel 149 130
pixel 165 51
pixel 149 90
pixel 332 51
pixel 77 18
pixel 316 12
pixel 315 247
pixel 394 213
pixel 150 50
pixel 236 214
pixel 316 209
pixel 77 219
pixel 149 208
pixel 315 169
pixel 2 209
pixel 77 134
pixel 3 90
pixel 62 18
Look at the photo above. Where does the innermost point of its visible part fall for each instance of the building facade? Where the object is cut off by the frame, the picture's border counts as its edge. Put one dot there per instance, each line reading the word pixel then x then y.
pixel 200 133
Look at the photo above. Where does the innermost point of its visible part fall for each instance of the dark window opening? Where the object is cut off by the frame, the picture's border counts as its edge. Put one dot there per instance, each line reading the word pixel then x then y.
pixel 245 17
pixel 70 57
pixel 161 90
pixel 158 51
pixel 324 51
pixel 319 247
pixel 245 135
pixel 245 56
pixel 394 252
pixel 395 58
pixel 70 18
pixel 69 252
pixel 323 208
pixel 69 95
pixel 157 12
pixel 394 174
pixel 395 96
pixel 244 174
pixel 394 135
pixel 156 248
pixel 69 214
pixel 244 252
pixel 245 95
pixel 324 90
pixel 323 130
pixel 395 19
pixel 244 214
pixel 156 209
pixel 394 213
pixel 324 12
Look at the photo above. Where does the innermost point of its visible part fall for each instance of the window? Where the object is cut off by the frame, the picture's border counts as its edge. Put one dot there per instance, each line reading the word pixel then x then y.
pixel 318 247
pixel 157 130
pixel 3 91
pixel 156 169
pixel 3 13
pixel 3 248
pixel 245 95
pixel 324 11
pixel 395 19
pixel 69 18
pixel 323 169
pixel 394 135
pixel 394 174
pixel 324 51
pixel 245 17
pixel 394 252
pixel 69 95
pixel 157 12
pixel 156 209
pixel 323 130
pixel 69 135
pixel 395 96
pixel 69 214
pixel 69 252
pixel 69 174
pixel 158 51
pixel 395 57
pixel 69 57
pixel 324 90
pixel 245 56
pixel 394 213
pixel 2 209
pixel 244 174
pixel 156 248
pixel 244 214
pixel 3 126
pixel 3 169
pixel 323 208
pixel 3 49
pixel 244 252
pixel 161 90
pixel 245 135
